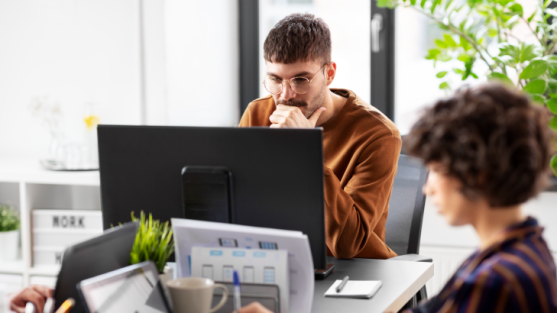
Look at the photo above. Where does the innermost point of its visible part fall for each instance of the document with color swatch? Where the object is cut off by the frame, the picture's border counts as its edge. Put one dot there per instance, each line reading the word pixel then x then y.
pixel 193 233
pixel 253 266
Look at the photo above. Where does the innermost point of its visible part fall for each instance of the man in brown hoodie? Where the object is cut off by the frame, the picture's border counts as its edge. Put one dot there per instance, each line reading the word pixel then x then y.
pixel 360 144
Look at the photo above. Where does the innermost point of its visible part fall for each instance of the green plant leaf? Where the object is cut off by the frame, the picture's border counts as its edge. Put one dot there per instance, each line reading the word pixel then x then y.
pixel 412 2
pixel 537 98
pixel 528 52
pixel 494 76
pixel 536 86
pixel 433 6
pixel 505 59
pixel 450 41
pixel 464 57
pixel 444 85
pixel 517 8
pixel 444 58
pixel 534 69
pixel 441 74
pixel 422 3
pixel 552 105
pixel 510 50
pixel 531 17
pixel 153 241
pixel 441 44
pixel 553 123
pixel 492 32
pixel 432 54
pixel 553 164
pixel 458 71
pixel 465 44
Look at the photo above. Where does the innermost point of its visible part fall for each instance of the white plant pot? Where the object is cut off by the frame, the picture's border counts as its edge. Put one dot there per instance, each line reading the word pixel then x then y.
pixel 9 242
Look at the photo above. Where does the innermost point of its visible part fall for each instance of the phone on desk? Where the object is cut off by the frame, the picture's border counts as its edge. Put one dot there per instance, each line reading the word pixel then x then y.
pixel 207 193
pixel 321 274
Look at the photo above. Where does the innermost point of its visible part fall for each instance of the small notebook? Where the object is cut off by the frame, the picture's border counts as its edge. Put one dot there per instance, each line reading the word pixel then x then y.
pixel 354 289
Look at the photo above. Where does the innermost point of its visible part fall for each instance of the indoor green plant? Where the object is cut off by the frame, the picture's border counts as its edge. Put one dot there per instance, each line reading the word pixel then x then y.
pixel 482 31
pixel 9 232
pixel 153 242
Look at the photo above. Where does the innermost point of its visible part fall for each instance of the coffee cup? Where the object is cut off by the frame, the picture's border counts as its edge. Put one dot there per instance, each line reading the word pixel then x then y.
pixel 195 295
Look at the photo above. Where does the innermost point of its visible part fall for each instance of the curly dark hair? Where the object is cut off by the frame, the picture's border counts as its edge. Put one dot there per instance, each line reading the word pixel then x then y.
pixel 492 139
pixel 298 37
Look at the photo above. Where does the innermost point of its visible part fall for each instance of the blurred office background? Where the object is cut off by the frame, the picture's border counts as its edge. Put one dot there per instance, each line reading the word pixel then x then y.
pixel 180 62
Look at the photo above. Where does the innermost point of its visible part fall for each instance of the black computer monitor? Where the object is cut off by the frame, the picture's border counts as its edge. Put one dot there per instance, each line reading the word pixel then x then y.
pixel 276 174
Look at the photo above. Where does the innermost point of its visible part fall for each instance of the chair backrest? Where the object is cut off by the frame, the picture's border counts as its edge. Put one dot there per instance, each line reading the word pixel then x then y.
pixel 406 207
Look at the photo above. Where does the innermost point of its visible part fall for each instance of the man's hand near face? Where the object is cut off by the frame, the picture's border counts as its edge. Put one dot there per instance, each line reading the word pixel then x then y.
pixel 286 116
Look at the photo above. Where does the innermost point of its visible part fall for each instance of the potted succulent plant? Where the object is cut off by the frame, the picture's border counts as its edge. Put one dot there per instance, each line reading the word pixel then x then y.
pixel 154 242
pixel 483 31
pixel 9 233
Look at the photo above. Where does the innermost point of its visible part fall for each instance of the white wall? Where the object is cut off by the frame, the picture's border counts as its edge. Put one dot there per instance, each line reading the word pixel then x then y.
pixel 75 52
pixel 177 65
pixel 202 62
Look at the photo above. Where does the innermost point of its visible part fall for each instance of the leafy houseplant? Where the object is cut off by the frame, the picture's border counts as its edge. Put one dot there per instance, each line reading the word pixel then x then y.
pixel 481 31
pixel 9 218
pixel 153 242
pixel 9 235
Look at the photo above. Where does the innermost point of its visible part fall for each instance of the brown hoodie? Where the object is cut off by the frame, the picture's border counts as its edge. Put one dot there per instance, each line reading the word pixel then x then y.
pixel 361 148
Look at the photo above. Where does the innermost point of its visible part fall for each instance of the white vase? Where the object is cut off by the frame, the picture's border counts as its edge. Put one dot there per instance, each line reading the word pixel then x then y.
pixel 9 242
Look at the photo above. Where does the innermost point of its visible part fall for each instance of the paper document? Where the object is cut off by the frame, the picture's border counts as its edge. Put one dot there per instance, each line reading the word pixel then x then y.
pixel 354 289
pixel 190 233
pixel 253 266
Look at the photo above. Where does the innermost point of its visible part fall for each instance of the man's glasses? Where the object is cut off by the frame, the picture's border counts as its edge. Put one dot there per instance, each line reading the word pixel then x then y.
pixel 300 85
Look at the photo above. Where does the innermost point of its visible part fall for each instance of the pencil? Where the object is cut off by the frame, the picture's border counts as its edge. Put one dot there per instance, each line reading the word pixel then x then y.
pixel 66 306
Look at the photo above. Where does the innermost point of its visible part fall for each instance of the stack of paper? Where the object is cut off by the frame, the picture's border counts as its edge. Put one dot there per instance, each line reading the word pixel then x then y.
pixel 190 233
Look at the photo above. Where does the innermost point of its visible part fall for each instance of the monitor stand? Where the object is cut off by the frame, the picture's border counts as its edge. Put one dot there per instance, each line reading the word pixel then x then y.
pixel 321 274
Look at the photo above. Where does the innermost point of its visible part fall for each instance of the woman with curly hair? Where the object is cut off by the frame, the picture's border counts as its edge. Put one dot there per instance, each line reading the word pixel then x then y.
pixel 487 150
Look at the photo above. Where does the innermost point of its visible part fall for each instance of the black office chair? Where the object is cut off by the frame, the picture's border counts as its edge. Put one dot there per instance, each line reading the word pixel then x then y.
pixel 406 211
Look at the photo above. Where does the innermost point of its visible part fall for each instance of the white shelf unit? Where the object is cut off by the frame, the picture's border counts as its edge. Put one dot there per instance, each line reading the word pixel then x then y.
pixel 24 184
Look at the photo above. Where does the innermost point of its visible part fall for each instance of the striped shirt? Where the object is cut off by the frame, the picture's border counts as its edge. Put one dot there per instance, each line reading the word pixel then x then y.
pixel 516 274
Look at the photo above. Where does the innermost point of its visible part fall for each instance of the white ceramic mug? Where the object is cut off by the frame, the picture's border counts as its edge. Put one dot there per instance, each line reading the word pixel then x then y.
pixel 194 295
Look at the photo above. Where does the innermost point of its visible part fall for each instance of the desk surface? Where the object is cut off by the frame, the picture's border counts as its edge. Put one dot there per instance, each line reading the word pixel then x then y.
pixel 401 280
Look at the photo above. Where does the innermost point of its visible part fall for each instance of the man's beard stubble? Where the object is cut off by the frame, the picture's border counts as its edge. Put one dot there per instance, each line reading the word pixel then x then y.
pixel 307 108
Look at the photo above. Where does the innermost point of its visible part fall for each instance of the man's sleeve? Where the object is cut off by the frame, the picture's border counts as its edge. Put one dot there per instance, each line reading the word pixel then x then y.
pixel 352 213
pixel 245 121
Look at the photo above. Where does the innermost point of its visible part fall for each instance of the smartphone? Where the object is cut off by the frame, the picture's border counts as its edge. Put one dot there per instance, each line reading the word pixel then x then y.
pixel 207 193
pixel 321 274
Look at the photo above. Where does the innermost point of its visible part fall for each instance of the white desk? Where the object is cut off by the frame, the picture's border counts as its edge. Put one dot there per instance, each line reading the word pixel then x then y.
pixel 401 281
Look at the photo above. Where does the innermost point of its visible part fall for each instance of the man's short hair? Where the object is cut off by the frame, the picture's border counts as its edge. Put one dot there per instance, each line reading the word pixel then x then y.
pixel 490 138
pixel 298 37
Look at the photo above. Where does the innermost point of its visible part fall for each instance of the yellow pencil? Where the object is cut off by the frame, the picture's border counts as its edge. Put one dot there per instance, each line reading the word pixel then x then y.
pixel 66 306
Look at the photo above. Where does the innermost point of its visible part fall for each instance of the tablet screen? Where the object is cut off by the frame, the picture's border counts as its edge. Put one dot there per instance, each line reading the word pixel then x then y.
pixel 135 288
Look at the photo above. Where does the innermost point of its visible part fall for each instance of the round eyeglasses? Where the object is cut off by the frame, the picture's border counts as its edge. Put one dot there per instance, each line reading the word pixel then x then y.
pixel 300 85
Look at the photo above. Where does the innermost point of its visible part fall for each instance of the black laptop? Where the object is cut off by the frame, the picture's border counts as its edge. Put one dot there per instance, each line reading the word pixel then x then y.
pixel 105 253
